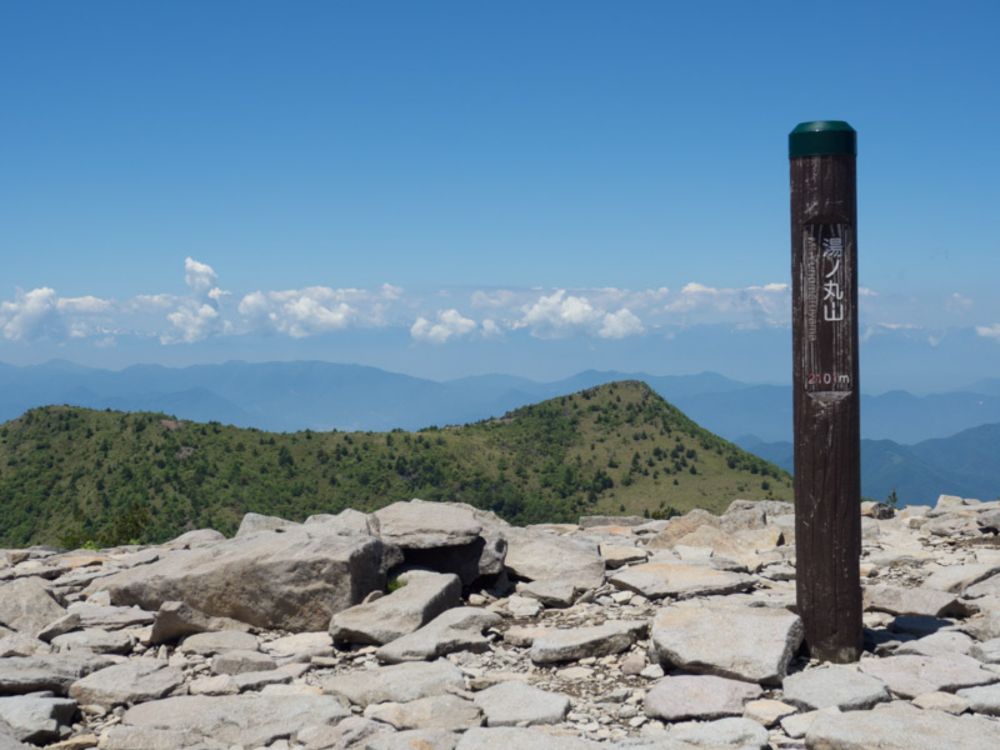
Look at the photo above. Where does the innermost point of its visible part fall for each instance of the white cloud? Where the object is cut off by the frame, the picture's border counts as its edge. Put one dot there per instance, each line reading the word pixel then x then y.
pixel 620 324
pixel 200 277
pixel 301 312
pixel 491 329
pixel 450 324
pixel 494 299
pixel 31 314
pixel 87 305
pixel 958 303
pixel 557 314
pixel 989 332
pixel 392 292
pixel 193 322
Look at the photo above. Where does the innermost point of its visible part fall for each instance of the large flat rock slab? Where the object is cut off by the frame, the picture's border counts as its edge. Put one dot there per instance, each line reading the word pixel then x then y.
pixel 900 726
pixel 572 644
pixel 29 674
pixel 911 675
pixel 293 579
pixel 746 643
pixel 924 602
pixel 458 629
pixel 680 697
pixel 656 580
pixel 538 555
pixel 509 704
pixel 422 597
pixel 397 683
pixel 495 738
pixel 27 606
pixel 249 720
pixel 36 718
pixel 131 681
pixel 447 712
pixel 842 686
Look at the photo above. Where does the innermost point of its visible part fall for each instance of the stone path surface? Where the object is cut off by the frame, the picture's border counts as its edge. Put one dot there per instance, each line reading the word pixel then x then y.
pixel 441 627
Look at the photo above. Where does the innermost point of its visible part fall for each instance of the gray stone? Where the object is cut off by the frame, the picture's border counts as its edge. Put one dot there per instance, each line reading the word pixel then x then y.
pixel 207 644
pixel 353 733
pixel 27 606
pixel 294 579
pixel 457 629
pixel 502 738
pixel 29 674
pixel 730 732
pixel 983 700
pixel 109 618
pixel 196 538
pixel 60 626
pixel 238 662
pixel 538 555
pixel 678 697
pixel 300 646
pixel 956 579
pixel 796 725
pixel 987 651
pixel 511 704
pixel 921 601
pixel 397 683
pixel 573 644
pixel 414 739
pixel 253 523
pixel 746 643
pixel 423 597
pixel 145 738
pixel 131 681
pixel 841 686
pixel 7 739
pixel 900 726
pixel 941 643
pixel 656 580
pixel 348 522
pixel 987 587
pixel 910 675
pixel 550 592
pixel 95 640
pixel 37 718
pixel 250 720
pixel 680 526
pixel 447 712
pixel 176 619
pixel 446 537
pixel 17 644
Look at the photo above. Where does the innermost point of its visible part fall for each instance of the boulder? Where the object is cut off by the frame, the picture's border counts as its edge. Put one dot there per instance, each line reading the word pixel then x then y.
pixel 348 522
pixel 679 697
pixel 241 662
pixel 29 674
pixel 656 580
pixel 132 681
pixel 421 739
pixel 729 732
pixel 248 720
pixel 398 683
pixel 680 526
pixel 177 619
pixel 841 686
pixel 255 522
pixel 36 718
pixel 746 643
pixel 447 712
pixel 516 738
pixel 293 579
pixel 109 618
pixel 95 640
pixel 422 597
pixel 299 647
pixel 27 606
pixel 918 601
pixel 572 644
pixel 983 700
pixel 510 704
pixel 538 555
pixel 446 537
pixel 910 675
pixel 458 629
pixel 900 726
pixel 216 642
pixel 8 740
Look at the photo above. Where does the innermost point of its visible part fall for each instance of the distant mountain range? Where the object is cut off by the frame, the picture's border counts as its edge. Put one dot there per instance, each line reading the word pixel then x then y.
pixel 906 435
pixel 963 464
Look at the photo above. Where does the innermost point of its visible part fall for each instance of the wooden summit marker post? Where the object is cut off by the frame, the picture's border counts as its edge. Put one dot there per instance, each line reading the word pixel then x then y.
pixel 825 386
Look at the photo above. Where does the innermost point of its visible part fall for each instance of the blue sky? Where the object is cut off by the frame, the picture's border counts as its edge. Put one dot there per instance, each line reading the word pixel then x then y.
pixel 450 188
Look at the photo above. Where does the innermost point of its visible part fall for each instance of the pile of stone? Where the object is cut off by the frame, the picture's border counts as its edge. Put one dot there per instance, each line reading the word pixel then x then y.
pixel 436 626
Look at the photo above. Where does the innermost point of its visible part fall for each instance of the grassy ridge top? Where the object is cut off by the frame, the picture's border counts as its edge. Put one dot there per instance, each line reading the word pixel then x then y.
pixel 70 475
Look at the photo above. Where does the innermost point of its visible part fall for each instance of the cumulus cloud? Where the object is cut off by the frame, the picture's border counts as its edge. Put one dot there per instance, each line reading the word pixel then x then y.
pixel 200 277
pixel 989 332
pixel 449 324
pixel 30 315
pixel 620 324
pixel 87 305
pixel 958 303
pixel 301 312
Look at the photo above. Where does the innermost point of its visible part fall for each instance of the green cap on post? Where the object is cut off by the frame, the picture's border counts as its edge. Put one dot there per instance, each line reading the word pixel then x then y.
pixel 822 138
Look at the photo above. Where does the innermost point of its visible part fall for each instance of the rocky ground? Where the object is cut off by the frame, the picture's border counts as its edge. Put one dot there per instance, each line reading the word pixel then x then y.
pixel 436 626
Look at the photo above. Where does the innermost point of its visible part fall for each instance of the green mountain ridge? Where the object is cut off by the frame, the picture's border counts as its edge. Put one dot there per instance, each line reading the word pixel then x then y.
pixel 70 475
